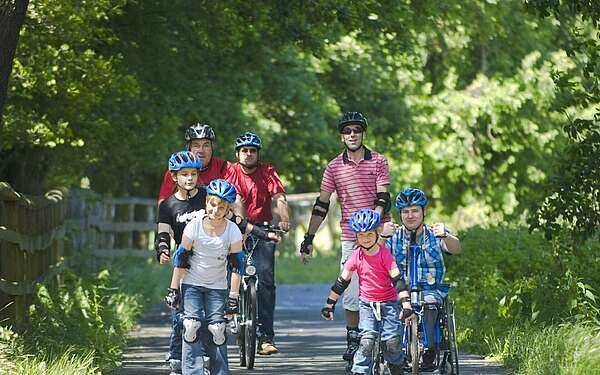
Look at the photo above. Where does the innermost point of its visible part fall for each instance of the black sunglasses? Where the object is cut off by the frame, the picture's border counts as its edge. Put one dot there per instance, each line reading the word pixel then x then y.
pixel 348 131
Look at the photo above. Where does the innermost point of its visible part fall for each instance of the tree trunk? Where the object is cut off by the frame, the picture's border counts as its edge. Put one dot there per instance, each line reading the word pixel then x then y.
pixel 12 15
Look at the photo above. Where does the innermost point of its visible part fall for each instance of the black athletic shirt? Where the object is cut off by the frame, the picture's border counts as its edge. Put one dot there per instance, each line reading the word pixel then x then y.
pixel 177 213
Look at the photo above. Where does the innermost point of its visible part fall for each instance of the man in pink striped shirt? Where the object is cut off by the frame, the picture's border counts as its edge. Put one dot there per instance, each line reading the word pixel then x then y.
pixel 361 178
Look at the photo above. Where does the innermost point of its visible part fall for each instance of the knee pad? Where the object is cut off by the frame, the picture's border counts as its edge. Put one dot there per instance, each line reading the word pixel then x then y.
pixel 218 332
pixel 393 345
pixel 366 345
pixel 190 330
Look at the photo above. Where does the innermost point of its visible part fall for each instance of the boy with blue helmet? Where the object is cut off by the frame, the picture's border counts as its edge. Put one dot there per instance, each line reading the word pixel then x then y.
pixel 380 287
pixel 208 243
pixel 434 241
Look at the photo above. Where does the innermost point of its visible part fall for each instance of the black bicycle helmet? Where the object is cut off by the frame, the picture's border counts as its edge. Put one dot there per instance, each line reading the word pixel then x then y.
pixel 353 118
pixel 199 131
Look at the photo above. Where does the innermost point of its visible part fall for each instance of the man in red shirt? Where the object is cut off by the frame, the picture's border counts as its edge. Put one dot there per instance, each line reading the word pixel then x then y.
pixel 199 140
pixel 258 185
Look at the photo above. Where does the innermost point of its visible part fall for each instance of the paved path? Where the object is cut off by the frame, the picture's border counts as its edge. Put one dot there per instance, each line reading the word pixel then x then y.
pixel 307 343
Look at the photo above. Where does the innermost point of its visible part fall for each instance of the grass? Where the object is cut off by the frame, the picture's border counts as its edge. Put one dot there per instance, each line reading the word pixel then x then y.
pixel 321 269
pixel 81 326
pixel 563 350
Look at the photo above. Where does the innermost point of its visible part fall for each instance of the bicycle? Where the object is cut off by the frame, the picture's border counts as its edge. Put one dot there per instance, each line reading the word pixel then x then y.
pixel 245 322
pixel 414 330
pixel 378 365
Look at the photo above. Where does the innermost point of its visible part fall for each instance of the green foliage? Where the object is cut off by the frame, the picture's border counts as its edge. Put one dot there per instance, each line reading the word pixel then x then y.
pixel 573 192
pixel 81 326
pixel 83 314
pixel 568 349
pixel 507 276
pixel 459 107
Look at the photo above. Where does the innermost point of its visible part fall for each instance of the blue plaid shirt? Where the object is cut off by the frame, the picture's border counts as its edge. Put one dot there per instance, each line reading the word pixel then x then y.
pixel 431 269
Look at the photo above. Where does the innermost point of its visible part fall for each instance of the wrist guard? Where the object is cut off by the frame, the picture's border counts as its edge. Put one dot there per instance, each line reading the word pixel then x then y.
pixel 260 233
pixel 308 239
pixel 172 298
pixel 162 244
pixel 233 306
pixel 326 310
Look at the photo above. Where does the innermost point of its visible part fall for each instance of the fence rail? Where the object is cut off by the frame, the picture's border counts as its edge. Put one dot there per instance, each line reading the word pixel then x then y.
pixel 31 246
pixel 33 231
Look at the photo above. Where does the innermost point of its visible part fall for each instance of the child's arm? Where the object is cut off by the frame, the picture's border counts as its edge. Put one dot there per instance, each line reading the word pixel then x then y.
pixel 337 289
pixel 402 290
pixel 181 263
pixel 234 291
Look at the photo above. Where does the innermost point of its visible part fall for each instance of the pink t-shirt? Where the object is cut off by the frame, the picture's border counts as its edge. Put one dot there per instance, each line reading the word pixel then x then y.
pixel 374 281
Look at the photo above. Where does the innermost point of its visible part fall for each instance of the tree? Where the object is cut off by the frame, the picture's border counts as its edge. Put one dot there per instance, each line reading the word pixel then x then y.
pixel 12 14
pixel 573 193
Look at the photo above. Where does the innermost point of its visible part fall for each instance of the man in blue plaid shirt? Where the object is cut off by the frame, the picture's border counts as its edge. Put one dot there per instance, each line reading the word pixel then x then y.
pixel 434 240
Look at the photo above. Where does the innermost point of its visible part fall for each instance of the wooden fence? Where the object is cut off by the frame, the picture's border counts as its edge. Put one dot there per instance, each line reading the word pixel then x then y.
pixel 32 232
pixel 111 227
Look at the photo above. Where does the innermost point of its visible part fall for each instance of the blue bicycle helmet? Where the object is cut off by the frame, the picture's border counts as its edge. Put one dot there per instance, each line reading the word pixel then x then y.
pixel 364 220
pixel 222 189
pixel 247 139
pixel 184 159
pixel 411 197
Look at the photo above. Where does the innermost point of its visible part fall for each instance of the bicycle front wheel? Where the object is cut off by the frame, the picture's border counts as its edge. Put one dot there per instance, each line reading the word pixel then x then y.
pixel 415 355
pixel 452 339
pixel 250 331
pixel 241 336
pixel 376 357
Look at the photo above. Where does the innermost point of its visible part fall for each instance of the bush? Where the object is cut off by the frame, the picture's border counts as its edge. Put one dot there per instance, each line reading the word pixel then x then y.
pixel 80 327
pixel 514 290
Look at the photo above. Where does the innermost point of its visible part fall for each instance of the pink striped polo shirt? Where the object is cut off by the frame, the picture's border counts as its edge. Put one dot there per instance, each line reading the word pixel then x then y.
pixel 355 184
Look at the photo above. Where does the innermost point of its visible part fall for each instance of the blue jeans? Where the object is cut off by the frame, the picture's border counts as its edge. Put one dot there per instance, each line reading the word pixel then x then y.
pixel 175 340
pixel 431 317
pixel 199 303
pixel 264 260
pixel 390 326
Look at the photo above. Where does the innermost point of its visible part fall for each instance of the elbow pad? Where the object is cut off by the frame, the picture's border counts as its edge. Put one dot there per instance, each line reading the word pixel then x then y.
pixel 182 258
pixel 241 223
pixel 324 208
pixel 340 285
pixel 384 201
pixel 399 283
pixel 234 262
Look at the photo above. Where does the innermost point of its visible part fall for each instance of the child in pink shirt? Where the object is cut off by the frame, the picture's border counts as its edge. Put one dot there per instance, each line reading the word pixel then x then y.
pixel 380 286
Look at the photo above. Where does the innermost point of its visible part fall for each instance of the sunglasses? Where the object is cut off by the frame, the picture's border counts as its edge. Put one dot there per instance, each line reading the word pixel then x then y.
pixel 348 131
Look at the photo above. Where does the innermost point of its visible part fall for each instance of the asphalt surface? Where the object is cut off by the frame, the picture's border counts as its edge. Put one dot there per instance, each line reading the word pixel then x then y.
pixel 307 344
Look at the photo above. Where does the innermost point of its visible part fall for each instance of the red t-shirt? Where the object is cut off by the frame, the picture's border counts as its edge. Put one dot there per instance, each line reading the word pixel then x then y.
pixel 256 189
pixel 217 168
